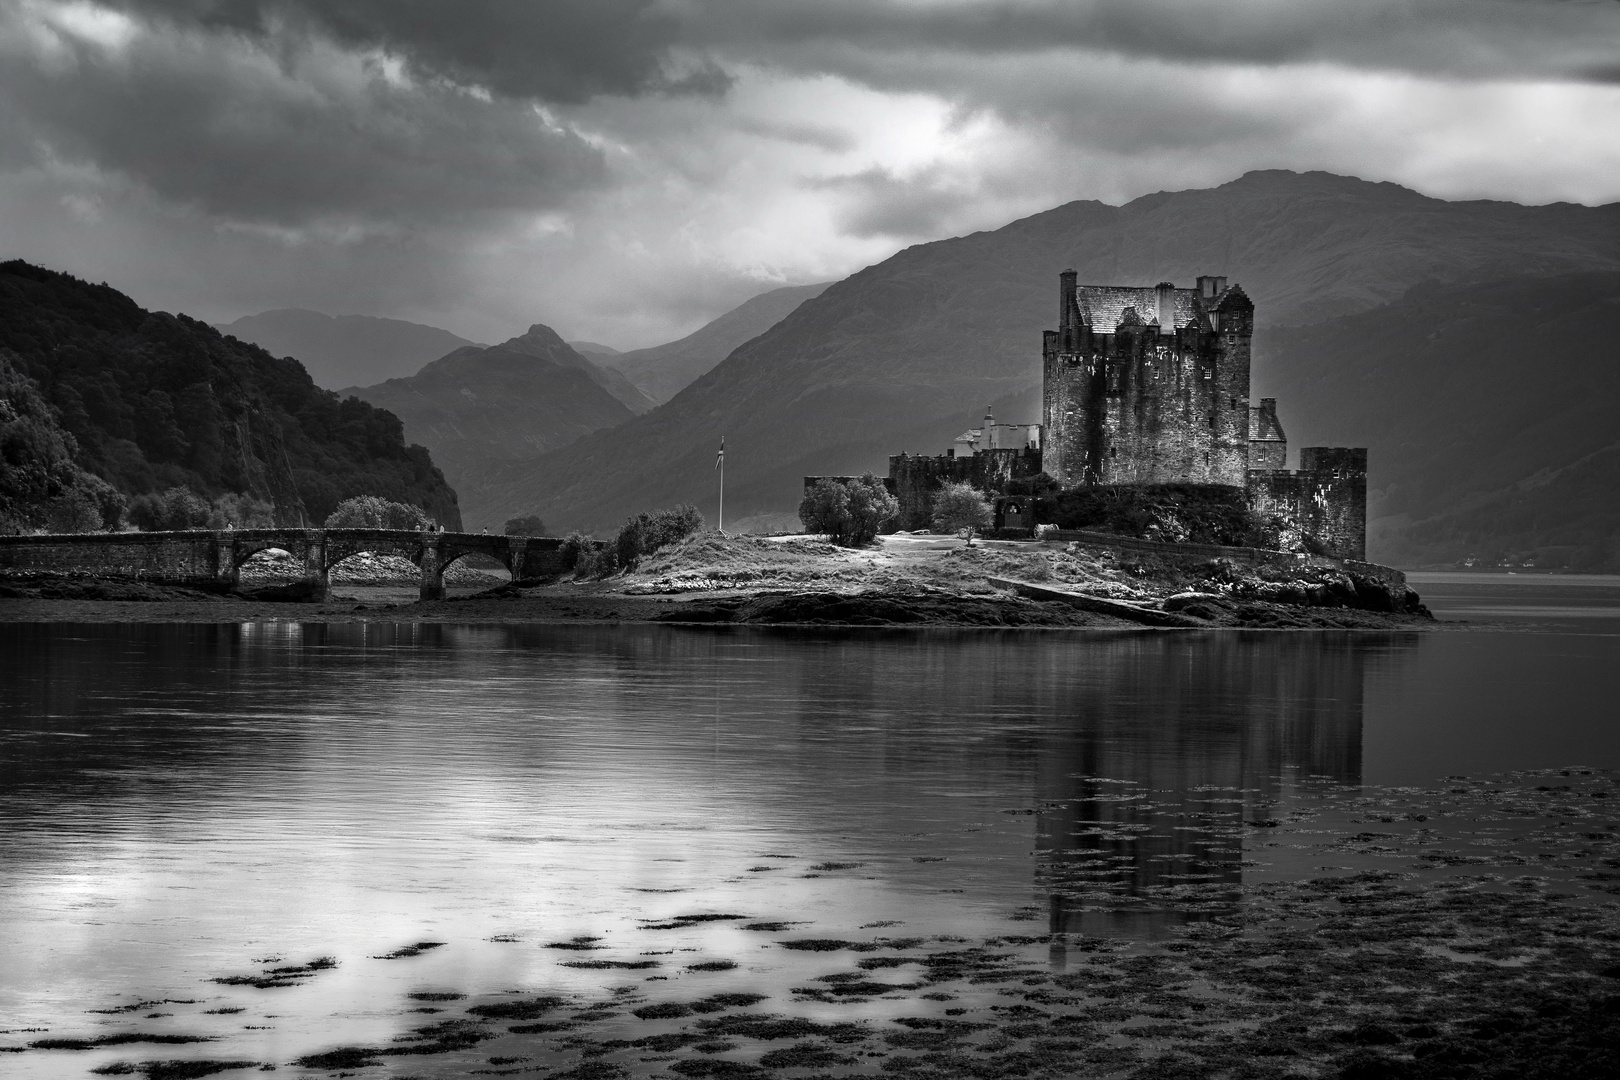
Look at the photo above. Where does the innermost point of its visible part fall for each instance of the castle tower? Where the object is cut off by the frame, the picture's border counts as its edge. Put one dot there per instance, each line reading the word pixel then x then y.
pixel 1147 384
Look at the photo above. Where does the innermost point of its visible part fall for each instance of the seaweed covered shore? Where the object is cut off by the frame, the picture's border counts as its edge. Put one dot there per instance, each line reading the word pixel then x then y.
pixel 901 580
pixel 1332 933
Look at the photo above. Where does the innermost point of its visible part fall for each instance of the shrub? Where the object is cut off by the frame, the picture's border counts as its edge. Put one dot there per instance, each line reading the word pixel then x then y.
pixel 849 512
pixel 374 512
pixel 241 511
pixel 74 512
pixel 176 508
pixel 1191 513
pixel 646 533
pixel 575 546
pixel 960 506
pixel 628 543
pixel 524 525
pixel 597 562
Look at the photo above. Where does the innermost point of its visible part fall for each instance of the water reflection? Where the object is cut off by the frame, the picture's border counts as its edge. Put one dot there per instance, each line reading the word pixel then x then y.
pixel 1145 794
pixel 175 800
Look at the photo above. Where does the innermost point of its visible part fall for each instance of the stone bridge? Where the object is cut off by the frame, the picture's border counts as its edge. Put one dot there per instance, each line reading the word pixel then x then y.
pixel 213 559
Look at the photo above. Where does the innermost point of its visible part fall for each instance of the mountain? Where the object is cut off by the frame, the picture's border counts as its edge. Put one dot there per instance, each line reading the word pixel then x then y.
pixel 664 370
pixel 480 410
pixel 594 351
pixel 1491 412
pixel 154 400
pixel 898 355
pixel 345 350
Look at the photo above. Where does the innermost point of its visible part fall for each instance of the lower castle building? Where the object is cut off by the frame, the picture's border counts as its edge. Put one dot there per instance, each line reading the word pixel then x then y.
pixel 1150 385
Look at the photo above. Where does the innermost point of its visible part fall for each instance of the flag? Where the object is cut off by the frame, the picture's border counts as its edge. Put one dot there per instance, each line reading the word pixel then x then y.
pixel 720 458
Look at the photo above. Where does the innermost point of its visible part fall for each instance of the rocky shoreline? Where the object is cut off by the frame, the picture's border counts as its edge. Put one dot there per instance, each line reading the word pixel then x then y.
pixel 792 581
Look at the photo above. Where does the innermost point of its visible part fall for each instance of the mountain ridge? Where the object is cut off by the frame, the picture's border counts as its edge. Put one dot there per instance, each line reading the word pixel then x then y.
pixel 345 350
pixel 926 338
pixel 481 409
pixel 664 370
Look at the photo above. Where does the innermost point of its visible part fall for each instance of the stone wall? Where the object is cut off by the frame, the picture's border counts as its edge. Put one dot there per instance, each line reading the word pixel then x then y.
pixel 184 558
pixel 915 479
pixel 1322 506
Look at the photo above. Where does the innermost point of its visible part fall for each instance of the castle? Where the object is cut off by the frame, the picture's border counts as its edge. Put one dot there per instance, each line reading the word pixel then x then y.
pixel 1150 385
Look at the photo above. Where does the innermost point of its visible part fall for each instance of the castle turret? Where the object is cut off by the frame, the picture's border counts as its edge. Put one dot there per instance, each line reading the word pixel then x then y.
pixel 1268 445
pixel 1164 303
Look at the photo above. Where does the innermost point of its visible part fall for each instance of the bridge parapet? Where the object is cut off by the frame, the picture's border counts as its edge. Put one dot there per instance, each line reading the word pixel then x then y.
pixel 212 559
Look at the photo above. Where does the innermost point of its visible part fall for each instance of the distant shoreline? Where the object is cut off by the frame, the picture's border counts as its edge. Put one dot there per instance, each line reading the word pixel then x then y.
pixel 562 605
pixel 899 581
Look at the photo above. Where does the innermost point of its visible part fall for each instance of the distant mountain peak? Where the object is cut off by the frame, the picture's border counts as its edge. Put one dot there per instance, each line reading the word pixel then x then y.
pixel 345 350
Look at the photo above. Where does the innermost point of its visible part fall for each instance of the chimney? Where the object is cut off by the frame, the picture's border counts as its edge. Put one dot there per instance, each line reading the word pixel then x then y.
pixel 1211 287
pixel 1067 304
pixel 1166 297
pixel 988 441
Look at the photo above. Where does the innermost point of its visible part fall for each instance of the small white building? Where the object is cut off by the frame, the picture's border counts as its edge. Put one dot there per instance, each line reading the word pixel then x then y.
pixel 994 436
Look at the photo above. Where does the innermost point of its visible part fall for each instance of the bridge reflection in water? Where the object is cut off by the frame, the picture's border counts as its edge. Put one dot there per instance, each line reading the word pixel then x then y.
pixel 212 559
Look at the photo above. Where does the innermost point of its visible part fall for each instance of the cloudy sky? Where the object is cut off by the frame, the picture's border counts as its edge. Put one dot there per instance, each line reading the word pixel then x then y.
pixel 626 169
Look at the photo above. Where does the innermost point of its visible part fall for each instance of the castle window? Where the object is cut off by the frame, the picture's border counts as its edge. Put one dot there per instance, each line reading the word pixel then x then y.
pixel 1212 420
pixel 1113 452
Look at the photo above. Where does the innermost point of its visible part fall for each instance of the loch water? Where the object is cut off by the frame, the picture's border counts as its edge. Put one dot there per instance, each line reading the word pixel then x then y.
pixel 185 803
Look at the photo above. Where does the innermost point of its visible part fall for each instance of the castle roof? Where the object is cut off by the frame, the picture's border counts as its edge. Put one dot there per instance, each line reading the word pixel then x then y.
pixel 1103 305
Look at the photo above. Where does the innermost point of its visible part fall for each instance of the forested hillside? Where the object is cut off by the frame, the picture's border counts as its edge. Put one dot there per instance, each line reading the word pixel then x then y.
pixel 154 401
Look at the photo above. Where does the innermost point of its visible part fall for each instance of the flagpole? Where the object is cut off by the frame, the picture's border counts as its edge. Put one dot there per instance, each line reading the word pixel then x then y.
pixel 720 463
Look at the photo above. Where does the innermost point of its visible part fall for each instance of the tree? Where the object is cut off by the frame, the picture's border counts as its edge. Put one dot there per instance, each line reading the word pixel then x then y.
pixel 850 512
pixel 375 512
pixel 646 533
pixel 524 525
pixel 176 508
pixel 959 506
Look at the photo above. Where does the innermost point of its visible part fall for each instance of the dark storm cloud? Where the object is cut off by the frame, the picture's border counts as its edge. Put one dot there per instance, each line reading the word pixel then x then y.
pixel 572 50
pixel 563 51
pixel 631 167
pixel 1466 38
pixel 305 136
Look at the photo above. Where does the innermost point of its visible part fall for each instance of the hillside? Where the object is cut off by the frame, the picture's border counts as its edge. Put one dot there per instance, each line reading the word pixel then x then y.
pixel 481 410
pixel 345 350
pixel 663 371
pixel 896 356
pixel 154 400
pixel 1491 412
